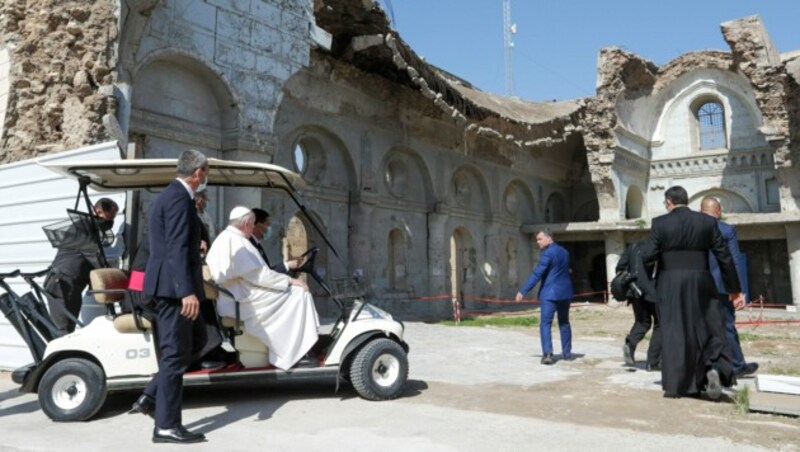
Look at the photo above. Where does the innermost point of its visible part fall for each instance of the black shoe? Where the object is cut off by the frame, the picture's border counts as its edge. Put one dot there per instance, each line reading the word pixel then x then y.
pixel 748 370
pixel 176 435
pixel 627 355
pixel 212 364
pixel 547 359
pixel 714 388
pixel 653 367
pixel 144 405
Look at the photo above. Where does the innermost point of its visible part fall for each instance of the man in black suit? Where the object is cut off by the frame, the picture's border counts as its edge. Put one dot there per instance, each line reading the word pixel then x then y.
pixel 643 301
pixel 69 273
pixel 263 229
pixel 173 276
pixel 695 352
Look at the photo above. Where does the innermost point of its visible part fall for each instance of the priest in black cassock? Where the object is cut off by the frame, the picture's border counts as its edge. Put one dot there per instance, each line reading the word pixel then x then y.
pixel 695 353
pixel 263 230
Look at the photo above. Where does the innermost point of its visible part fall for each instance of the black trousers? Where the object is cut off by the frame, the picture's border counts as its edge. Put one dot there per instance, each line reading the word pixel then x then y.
pixel 175 345
pixel 645 314
pixel 65 292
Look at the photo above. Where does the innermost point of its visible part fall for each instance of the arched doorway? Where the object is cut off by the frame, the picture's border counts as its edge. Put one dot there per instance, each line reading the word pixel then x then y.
pixel 462 262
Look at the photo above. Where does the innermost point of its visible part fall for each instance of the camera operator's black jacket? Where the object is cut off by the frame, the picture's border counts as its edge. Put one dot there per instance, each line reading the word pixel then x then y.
pixel 632 260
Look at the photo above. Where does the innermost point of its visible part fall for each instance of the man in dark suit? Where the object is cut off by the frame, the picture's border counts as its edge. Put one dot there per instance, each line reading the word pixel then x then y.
pixel 555 294
pixel 69 273
pixel 261 230
pixel 645 312
pixel 695 353
pixel 711 206
pixel 173 276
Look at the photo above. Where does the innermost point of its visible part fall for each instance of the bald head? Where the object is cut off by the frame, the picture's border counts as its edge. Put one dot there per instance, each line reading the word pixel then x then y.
pixel 711 206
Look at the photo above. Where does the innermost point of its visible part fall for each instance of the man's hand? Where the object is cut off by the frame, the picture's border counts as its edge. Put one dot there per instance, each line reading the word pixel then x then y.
pixel 203 247
pixel 737 299
pixel 191 306
pixel 291 264
pixel 518 297
pixel 299 283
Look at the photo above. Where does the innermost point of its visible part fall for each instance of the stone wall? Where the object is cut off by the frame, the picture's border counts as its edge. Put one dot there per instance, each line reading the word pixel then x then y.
pixel 251 46
pixel 776 93
pixel 62 58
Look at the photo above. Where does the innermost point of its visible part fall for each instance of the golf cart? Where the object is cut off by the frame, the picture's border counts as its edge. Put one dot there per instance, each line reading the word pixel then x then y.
pixel 364 346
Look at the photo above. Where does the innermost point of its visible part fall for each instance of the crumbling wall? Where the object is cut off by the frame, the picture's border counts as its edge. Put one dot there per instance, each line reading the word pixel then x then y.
pixel 61 73
pixel 620 73
pixel 777 96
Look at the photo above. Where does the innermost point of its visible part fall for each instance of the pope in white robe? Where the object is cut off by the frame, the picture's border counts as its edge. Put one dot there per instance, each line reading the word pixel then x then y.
pixel 275 308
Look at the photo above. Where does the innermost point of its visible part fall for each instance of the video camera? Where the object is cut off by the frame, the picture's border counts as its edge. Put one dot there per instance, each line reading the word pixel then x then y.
pixel 624 283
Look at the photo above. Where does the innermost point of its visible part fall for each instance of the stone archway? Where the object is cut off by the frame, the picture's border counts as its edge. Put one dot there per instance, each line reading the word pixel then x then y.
pixel 634 203
pixel 462 262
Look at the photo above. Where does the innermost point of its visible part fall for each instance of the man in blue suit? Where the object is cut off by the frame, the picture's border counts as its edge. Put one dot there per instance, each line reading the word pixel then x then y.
pixel 711 206
pixel 555 294
pixel 174 277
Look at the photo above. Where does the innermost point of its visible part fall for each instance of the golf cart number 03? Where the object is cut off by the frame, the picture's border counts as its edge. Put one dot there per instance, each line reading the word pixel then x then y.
pixel 137 354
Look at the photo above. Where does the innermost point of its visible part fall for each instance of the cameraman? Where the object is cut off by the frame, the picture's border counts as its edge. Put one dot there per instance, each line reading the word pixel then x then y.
pixel 642 296
pixel 69 273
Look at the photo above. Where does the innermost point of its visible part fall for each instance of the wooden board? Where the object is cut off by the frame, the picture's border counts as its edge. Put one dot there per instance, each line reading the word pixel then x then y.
pixel 766 402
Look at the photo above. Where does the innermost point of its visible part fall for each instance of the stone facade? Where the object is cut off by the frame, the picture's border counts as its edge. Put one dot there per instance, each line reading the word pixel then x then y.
pixel 56 63
pixel 426 186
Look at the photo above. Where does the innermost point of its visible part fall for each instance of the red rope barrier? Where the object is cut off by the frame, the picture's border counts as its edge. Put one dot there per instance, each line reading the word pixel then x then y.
pixel 457 304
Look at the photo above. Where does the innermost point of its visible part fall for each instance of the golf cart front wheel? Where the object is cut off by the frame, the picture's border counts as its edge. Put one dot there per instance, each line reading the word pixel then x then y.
pixel 379 370
pixel 72 390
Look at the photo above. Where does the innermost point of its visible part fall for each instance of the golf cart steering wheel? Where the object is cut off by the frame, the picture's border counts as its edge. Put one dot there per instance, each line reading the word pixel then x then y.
pixel 308 262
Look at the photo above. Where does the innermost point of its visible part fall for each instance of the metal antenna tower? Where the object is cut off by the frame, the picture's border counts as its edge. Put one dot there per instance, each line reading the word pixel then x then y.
pixel 509 30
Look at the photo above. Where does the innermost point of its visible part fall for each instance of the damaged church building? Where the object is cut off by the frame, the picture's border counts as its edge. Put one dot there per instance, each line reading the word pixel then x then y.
pixel 429 188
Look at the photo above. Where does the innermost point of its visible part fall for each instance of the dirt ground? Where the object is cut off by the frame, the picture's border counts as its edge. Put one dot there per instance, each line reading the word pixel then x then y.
pixel 595 397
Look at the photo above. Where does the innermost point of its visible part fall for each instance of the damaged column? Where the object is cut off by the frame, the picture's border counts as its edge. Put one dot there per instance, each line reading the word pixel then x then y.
pixel 615 246
pixel 793 246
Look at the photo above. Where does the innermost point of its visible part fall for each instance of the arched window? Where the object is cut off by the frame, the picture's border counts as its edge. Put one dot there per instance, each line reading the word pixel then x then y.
pixel 300 158
pixel 711 126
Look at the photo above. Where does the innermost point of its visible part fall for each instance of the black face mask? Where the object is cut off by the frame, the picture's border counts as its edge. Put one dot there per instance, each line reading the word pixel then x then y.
pixel 105 225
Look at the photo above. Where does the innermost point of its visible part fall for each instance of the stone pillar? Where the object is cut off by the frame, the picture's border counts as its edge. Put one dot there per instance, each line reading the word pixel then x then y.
pixel 793 246
pixel 438 254
pixel 361 238
pixel 615 246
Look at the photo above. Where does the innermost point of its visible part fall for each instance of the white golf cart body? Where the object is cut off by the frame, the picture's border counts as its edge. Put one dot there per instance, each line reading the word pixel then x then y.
pixel 365 345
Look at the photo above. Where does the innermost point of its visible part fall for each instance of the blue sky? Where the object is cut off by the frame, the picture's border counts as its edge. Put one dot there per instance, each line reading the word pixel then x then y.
pixel 557 41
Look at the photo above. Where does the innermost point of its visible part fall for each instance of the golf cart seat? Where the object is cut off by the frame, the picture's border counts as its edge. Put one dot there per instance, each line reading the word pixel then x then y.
pixel 110 286
pixel 252 352
pixel 212 293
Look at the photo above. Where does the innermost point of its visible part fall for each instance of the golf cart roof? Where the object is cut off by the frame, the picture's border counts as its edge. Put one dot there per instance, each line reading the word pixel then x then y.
pixel 115 175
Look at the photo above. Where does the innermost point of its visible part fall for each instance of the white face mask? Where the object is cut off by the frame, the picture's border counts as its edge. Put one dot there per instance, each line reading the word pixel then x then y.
pixel 202 186
pixel 268 234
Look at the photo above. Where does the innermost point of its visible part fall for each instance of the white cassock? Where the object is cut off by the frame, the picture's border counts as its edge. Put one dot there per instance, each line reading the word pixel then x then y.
pixel 281 315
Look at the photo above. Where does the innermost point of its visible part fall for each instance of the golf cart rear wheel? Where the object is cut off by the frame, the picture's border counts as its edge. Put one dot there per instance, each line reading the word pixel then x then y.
pixel 72 390
pixel 379 370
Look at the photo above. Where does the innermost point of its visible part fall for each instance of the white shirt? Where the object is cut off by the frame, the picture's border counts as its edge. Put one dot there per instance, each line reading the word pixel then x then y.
pixel 186 186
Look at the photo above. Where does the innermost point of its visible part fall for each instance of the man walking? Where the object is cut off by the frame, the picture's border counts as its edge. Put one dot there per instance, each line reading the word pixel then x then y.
pixel 711 206
pixel 695 354
pixel 645 312
pixel 174 277
pixel 555 295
